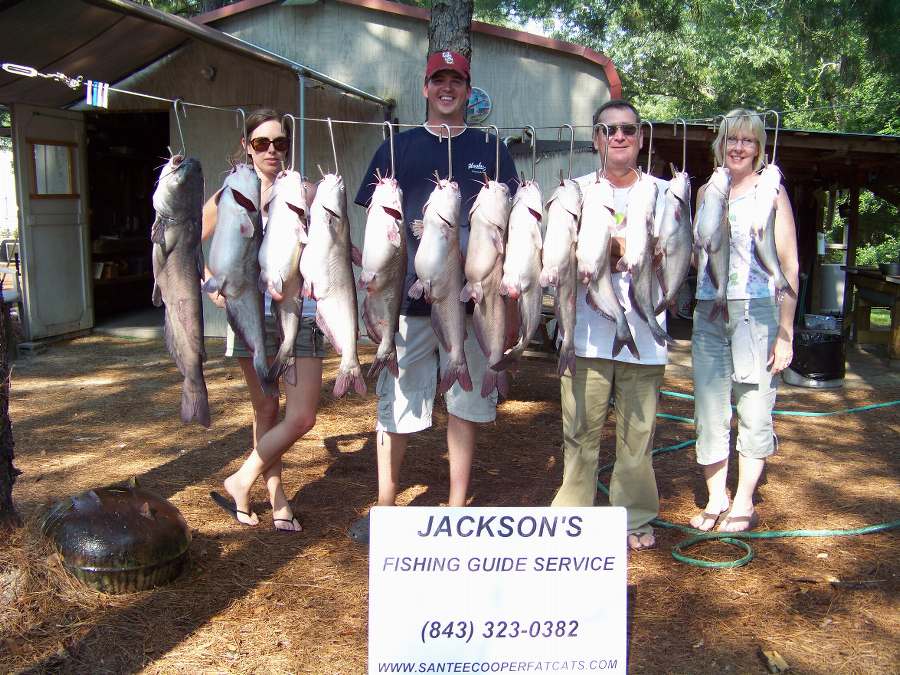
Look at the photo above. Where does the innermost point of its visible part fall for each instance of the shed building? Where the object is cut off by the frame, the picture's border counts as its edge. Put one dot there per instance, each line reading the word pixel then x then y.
pixel 84 235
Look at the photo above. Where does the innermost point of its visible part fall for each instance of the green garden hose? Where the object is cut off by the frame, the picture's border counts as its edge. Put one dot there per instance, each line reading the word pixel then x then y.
pixel 737 538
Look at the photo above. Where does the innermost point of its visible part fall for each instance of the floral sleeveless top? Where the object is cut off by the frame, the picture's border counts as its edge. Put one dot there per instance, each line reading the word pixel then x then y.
pixel 746 278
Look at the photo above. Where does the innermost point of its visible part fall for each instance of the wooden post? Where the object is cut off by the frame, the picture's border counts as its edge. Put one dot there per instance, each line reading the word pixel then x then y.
pixel 8 472
pixel 852 240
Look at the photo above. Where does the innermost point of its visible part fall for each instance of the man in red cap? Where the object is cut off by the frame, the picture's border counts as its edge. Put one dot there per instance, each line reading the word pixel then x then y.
pixel 405 403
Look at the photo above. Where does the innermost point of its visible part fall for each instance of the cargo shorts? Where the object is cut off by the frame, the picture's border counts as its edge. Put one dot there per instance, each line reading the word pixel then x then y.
pixel 310 341
pixel 406 403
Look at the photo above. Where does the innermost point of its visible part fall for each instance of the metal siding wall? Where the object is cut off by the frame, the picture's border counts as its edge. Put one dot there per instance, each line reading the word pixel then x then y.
pixel 212 136
pixel 385 54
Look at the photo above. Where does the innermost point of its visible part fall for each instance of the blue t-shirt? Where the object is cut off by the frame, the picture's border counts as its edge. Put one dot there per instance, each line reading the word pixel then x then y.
pixel 418 153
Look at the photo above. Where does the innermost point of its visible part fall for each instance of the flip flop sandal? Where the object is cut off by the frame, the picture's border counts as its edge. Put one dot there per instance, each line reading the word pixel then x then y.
pixel 359 530
pixel 752 521
pixel 714 517
pixel 639 544
pixel 229 507
pixel 297 529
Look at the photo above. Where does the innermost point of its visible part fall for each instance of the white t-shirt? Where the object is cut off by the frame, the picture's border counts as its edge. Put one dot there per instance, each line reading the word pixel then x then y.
pixel 594 334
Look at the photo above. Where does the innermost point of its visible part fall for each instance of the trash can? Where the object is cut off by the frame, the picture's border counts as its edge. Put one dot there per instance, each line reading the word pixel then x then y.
pixel 819 354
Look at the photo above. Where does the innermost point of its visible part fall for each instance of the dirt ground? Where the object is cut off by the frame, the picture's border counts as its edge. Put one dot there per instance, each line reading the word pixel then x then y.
pixel 97 410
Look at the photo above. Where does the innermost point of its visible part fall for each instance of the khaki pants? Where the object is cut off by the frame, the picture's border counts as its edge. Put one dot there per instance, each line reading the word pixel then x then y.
pixel 585 401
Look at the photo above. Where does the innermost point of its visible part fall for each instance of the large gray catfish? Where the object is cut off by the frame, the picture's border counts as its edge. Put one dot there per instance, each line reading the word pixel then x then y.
pixel 328 278
pixel 559 265
pixel 522 266
pixel 234 264
pixel 676 240
pixel 488 221
pixel 712 236
pixel 639 249
pixel 439 269
pixel 177 269
pixel 279 262
pixel 598 222
pixel 763 228
pixel 384 271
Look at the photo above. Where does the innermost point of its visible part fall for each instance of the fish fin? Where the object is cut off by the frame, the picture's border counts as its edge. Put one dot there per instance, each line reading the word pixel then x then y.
pixel 352 378
pixel 416 290
pixel 371 325
pixel 301 213
pixel 455 373
pixel 243 201
pixel 593 304
pixel 417 227
pixel 302 234
pixel 488 382
pixel 660 276
pixel 478 322
pixel 158 233
pixel 323 326
pixel 621 265
pixel 355 256
pixel 634 304
pixel 497 240
pixel 566 363
pixel 392 212
pixel 393 234
pixel 439 331
pixel 156 295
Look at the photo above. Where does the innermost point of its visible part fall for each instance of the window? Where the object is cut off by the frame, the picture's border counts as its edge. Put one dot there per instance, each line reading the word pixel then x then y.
pixel 53 170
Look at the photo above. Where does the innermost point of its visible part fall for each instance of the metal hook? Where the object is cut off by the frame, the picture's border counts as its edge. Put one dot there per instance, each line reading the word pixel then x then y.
pixel 683 141
pixel 449 152
pixel 293 134
pixel 650 146
pixel 531 130
pixel 777 125
pixel 333 148
pixel 242 120
pixel 390 130
pixel 497 154
pixel 606 147
pixel 178 123
pixel 571 144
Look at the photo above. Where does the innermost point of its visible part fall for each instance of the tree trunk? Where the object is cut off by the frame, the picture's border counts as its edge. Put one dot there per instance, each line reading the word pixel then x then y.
pixel 450 27
pixel 8 473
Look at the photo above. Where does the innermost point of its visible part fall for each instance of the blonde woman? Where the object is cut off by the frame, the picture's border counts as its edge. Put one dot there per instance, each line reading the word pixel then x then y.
pixel 741 354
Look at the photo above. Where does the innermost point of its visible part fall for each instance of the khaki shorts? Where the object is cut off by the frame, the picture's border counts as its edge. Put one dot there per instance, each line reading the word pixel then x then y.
pixel 406 403
pixel 310 342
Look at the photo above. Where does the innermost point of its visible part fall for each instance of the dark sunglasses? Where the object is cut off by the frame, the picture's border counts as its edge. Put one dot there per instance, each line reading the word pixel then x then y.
pixel 626 129
pixel 261 143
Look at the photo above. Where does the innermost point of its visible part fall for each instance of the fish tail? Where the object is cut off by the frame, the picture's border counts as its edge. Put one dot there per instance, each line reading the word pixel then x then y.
pixel 269 387
pixel 488 382
pixel 566 362
pixel 455 372
pixel 350 378
pixel 510 357
pixel 624 338
pixel 195 403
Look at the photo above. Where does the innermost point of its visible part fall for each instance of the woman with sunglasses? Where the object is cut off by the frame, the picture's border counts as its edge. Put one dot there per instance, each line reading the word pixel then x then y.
pixel 267 147
pixel 745 351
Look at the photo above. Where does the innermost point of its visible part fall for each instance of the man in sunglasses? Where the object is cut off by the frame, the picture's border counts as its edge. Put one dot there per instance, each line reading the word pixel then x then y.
pixel 599 375
pixel 405 403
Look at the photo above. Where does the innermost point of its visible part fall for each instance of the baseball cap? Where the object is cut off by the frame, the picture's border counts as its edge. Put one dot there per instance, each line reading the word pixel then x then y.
pixel 447 61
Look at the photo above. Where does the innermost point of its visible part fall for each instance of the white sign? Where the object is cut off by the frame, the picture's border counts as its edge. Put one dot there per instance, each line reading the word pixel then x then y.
pixel 497 590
